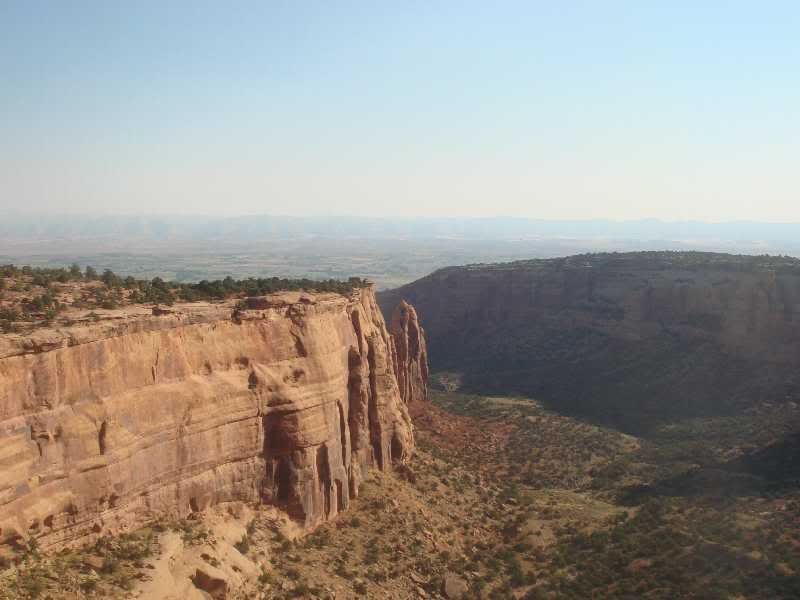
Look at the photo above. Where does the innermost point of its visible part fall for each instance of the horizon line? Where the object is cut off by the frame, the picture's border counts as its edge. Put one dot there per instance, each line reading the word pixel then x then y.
pixel 199 215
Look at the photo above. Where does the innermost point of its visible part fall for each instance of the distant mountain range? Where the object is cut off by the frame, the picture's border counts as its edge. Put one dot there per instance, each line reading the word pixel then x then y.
pixel 21 227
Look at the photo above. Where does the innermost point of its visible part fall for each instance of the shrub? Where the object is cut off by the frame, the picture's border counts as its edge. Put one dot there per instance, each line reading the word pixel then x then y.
pixel 111 279
pixel 243 545
pixel 9 314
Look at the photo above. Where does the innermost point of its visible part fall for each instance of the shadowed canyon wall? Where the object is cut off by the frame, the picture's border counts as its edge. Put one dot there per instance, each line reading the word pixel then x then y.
pixel 289 401
pixel 631 339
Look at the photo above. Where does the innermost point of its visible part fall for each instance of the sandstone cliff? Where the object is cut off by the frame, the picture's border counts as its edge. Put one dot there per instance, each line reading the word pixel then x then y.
pixel 619 336
pixel 288 401
pixel 411 364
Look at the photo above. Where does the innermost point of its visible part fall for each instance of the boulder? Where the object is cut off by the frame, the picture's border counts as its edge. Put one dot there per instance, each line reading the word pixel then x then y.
pixel 454 587
pixel 214 584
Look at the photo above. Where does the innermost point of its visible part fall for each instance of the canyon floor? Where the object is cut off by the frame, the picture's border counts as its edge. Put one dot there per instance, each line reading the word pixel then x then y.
pixel 502 499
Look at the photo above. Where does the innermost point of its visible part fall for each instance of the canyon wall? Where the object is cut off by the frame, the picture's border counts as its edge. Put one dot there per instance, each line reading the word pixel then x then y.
pixel 288 400
pixel 667 334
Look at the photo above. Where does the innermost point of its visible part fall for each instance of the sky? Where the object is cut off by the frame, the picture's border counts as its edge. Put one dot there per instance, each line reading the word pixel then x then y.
pixel 557 110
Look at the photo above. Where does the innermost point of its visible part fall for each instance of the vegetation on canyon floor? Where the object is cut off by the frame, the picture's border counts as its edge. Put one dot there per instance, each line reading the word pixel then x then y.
pixel 684 513
pixel 107 569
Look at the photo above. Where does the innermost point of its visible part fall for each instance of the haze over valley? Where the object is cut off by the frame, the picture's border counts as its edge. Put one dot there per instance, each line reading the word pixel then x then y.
pixel 389 251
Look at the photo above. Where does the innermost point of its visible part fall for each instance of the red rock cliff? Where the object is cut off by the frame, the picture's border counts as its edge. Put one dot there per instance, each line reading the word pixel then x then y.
pixel 106 425
pixel 411 366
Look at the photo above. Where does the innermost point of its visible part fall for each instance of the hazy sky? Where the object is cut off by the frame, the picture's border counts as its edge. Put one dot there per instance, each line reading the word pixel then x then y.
pixel 674 110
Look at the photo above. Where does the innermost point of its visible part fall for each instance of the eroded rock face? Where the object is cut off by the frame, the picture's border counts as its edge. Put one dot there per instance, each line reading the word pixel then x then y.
pixel 619 336
pixel 411 366
pixel 289 401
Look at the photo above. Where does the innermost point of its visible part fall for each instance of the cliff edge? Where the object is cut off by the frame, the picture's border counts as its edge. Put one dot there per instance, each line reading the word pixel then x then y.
pixel 287 399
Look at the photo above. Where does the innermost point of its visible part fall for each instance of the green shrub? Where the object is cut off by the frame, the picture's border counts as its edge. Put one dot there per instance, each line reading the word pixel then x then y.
pixel 243 545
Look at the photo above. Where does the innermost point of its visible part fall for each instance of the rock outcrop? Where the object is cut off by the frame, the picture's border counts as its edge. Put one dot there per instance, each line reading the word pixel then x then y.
pixel 619 336
pixel 411 364
pixel 288 400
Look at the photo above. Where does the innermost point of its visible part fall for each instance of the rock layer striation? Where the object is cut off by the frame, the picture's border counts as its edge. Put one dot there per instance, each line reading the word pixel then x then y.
pixel 288 400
